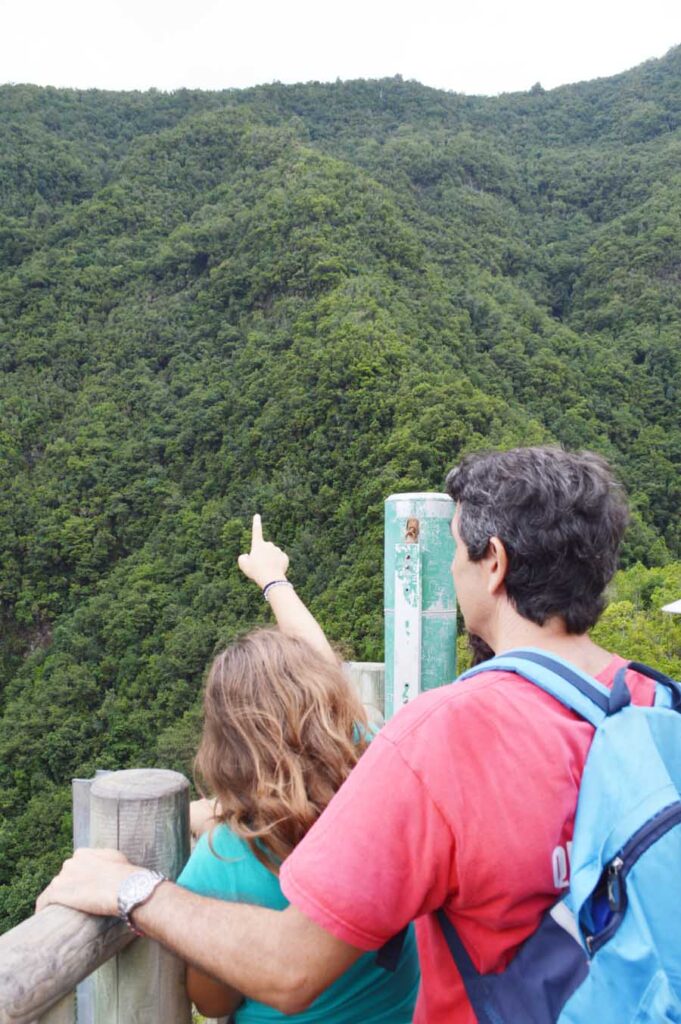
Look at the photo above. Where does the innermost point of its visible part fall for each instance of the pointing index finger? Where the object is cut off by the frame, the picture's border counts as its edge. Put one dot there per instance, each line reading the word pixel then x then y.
pixel 257 529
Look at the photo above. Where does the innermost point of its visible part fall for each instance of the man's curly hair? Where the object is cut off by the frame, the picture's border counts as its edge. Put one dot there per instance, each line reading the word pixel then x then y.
pixel 560 516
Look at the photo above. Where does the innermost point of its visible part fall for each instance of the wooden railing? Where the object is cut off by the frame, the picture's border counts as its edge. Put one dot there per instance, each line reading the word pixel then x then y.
pixel 44 958
pixel 144 813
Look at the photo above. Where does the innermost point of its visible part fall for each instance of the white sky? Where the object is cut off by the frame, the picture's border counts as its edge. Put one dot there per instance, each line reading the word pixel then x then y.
pixel 486 47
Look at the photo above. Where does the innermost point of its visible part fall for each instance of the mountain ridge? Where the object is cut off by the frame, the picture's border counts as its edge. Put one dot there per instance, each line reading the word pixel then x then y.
pixel 298 300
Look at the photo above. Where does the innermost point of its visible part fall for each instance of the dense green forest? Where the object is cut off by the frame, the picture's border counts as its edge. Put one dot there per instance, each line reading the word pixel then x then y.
pixel 298 300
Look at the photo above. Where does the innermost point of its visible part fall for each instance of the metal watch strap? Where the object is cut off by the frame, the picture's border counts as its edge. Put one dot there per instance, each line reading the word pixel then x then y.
pixel 144 884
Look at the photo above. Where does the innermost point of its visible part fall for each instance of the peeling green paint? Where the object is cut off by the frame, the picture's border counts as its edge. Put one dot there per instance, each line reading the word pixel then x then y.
pixel 420 606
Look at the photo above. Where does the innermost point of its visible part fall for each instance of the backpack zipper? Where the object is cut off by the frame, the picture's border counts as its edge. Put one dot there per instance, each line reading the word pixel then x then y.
pixel 622 863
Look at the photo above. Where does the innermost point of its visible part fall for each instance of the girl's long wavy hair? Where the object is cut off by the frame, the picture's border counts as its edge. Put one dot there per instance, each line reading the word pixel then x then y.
pixel 282 730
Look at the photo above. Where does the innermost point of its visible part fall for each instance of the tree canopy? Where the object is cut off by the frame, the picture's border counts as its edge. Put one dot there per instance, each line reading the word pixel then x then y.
pixel 297 300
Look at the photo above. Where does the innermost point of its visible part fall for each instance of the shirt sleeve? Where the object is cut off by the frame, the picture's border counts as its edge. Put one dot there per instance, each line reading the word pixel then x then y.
pixel 230 871
pixel 380 855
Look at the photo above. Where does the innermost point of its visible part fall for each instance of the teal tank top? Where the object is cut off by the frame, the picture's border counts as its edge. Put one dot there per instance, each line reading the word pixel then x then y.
pixel 366 993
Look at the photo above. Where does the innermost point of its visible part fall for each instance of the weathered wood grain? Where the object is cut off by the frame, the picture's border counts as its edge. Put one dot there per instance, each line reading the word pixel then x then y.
pixel 368 678
pixel 144 813
pixel 43 959
pixel 63 1013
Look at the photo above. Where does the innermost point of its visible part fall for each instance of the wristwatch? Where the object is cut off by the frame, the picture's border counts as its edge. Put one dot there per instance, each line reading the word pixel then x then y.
pixel 135 890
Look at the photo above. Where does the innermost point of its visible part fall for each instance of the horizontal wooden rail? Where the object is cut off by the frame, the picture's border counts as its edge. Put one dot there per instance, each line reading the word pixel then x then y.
pixel 44 958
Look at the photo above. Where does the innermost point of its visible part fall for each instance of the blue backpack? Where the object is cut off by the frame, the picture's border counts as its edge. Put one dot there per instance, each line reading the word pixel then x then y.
pixel 610 951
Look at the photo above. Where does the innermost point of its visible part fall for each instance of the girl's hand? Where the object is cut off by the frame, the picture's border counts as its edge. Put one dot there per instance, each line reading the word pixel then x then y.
pixel 265 562
pixel 201 814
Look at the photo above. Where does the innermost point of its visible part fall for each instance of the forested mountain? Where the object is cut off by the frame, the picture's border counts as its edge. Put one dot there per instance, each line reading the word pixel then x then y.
pixel 297 300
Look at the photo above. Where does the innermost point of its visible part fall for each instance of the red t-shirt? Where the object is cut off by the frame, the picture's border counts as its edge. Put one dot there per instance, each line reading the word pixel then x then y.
pixel 466 800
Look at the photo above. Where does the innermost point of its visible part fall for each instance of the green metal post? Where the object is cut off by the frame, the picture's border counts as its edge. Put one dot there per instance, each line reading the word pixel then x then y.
pixel 420 605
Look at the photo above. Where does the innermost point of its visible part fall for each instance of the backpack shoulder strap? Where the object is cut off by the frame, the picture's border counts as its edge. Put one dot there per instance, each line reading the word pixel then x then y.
pixel 577 690
pixel 667 691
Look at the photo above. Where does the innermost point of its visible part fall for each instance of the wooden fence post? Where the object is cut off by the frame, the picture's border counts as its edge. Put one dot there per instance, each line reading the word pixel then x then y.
pixel 80 794
pixel 63 1013
pixel 369 680
pixel 144 813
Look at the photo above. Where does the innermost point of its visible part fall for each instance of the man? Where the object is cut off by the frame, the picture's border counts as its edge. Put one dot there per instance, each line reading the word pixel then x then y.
pixel 465 800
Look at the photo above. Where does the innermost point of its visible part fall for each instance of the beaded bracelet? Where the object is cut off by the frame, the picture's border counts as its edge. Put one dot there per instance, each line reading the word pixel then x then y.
pixel 274 583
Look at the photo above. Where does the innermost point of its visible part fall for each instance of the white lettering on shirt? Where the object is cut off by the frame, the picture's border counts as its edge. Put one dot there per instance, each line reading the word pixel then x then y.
pixel 560 862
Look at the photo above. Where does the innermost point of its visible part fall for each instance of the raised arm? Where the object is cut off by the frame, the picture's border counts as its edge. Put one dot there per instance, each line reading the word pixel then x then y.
pixel 266 563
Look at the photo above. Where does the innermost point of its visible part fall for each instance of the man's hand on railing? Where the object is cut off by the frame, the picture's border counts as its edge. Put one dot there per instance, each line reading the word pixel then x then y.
pixel 89 881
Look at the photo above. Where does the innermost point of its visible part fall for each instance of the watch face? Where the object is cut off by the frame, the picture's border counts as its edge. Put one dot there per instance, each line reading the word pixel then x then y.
pixel 136 888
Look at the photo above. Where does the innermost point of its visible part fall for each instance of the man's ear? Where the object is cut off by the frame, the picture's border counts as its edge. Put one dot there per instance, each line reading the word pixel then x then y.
pixel 497 565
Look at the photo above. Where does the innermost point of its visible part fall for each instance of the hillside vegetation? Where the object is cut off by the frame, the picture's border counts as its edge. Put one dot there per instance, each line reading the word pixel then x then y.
pixel 298 300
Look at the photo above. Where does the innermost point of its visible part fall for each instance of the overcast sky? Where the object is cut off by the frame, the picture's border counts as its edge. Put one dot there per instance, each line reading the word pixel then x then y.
pixel 485 47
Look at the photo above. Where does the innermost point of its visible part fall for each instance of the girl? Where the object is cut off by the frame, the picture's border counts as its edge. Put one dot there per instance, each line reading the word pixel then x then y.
pixel 282 730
